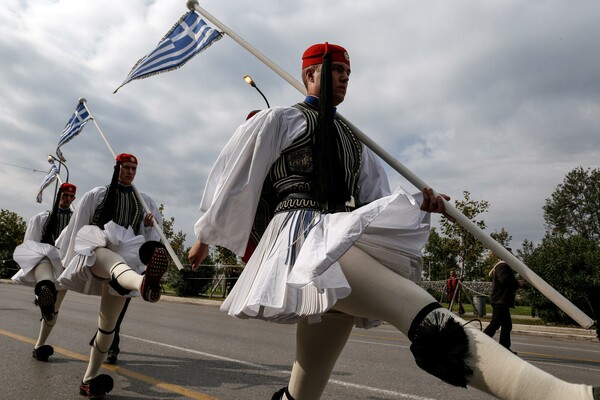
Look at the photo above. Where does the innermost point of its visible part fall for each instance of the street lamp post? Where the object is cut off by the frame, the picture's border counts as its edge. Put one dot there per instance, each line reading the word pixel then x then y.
pixel 251 82
pixel 52 158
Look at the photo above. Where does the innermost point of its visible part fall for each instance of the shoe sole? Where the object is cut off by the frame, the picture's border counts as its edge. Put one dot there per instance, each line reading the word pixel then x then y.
pixel 45 300
pixel 158 265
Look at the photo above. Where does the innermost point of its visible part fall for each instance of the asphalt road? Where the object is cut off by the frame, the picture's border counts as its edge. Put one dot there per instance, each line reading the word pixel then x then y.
pixel 179 351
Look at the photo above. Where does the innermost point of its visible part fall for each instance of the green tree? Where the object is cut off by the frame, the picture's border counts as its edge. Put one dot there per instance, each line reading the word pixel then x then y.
pixel 176 239
pixel 574 207
pixel 185 282
pixel 440 256
pixel 467 248
pixel 569 256
pixel 571 265
pixel 12 230
pixel 225 257
pixel 454 248
pixel 193 283
pixel 228 265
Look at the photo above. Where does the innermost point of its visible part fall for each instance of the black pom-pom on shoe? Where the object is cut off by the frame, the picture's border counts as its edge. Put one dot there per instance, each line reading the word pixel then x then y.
pixel 42 353
pixel 147 250
pixel 440 346
pixel 97 387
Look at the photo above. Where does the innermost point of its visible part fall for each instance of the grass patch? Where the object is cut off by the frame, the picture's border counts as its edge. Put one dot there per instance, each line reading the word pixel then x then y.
pixel 520 314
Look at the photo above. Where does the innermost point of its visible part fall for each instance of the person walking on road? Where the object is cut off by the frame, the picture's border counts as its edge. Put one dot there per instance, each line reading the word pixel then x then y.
pixel 453 292
pixel 502 299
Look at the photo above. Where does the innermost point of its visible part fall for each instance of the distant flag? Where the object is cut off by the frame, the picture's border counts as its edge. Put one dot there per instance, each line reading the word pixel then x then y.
pixel 188 37
pixel 73 127
pixel 50 177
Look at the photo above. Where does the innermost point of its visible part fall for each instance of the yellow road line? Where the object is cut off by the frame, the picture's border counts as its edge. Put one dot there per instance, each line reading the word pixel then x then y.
pixel 192 394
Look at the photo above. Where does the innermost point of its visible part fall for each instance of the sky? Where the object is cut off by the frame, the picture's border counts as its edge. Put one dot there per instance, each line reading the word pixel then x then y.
pixel 500 98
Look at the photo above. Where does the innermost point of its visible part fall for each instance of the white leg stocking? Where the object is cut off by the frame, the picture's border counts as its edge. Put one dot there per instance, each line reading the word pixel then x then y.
pixel 318 347
pixel 499 372
pixel 44 271
pixel 110 308
pixel 380 293
pixel 109 264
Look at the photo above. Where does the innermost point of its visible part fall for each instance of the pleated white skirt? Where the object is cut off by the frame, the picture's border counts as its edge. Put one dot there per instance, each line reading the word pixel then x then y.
pixel 294 271
pixel 28 255
pixel 78 276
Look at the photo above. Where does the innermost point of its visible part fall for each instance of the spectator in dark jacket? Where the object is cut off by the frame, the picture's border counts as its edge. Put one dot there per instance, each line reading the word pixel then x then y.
pixel 504 290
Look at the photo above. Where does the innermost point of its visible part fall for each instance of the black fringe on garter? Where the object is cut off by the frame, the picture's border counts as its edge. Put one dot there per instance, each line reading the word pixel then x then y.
pixel 440 346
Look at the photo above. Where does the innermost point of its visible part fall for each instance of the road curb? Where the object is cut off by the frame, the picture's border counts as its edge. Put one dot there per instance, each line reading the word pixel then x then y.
pixel 556 332
pixel 190 300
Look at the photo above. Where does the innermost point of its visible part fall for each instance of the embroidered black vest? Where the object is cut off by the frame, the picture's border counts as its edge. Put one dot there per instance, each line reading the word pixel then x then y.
pixel 62 220
pixel 127 211
pixel 292 173
pixel 288 184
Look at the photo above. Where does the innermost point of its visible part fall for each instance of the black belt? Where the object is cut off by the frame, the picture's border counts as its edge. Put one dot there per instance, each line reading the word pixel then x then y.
pixel 296 201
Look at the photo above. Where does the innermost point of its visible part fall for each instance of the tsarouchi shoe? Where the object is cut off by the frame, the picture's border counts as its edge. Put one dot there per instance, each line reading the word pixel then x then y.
pixel 96 387
pixel 155 269
pixel 45 298
pixel 43 352
pixel 112 356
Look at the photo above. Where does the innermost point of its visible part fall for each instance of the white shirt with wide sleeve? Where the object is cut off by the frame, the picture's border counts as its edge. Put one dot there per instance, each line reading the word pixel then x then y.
pixel 32 251
pixel 391 228
pixel 81 239
pixel 233 187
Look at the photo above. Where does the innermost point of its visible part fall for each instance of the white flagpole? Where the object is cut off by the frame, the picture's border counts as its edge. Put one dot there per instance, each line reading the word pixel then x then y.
pixel 137 193
pixel 564 304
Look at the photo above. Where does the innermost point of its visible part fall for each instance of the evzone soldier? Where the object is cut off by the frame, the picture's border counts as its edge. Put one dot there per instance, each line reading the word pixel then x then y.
pixel 114 253
pixel 335 248
pixel 40 263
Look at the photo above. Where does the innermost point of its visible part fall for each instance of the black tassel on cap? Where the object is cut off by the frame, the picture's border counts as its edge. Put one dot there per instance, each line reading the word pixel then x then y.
pixel 108 209
pixel 440 346
pixel 330 180
pixel 50 225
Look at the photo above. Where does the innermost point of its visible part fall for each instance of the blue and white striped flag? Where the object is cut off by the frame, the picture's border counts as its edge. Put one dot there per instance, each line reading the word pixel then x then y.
pixel 52 174
pixel 188 37
pixel 73 127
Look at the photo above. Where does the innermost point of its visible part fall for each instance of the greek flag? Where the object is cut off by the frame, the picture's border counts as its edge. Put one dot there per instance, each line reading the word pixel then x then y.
pixel 50 177
pixel 188 37
pixel 73 127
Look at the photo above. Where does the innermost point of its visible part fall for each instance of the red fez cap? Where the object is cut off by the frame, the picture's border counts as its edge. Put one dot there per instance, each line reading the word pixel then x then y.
pixel 124 157
pixel 252 114
pixel 314 54
pixel 68 188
